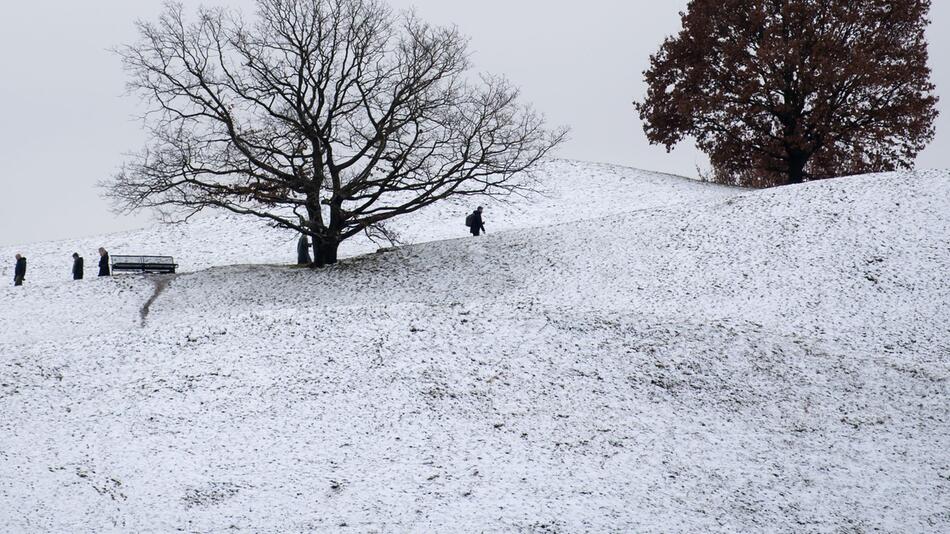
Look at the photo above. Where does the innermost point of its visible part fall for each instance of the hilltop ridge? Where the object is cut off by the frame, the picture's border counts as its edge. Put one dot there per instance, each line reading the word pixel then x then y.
pixel 567 191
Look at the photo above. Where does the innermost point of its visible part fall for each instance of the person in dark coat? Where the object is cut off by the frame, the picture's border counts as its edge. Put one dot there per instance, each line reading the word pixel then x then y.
pixel 19 272
pixel 477 225
pixel 303 251
pixel 103 262
pixel 77 266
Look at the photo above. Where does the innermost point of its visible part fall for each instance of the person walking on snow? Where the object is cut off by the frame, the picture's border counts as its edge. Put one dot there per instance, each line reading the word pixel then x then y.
pixel 475 223
pixel 77 266
pixel 19 271
pixel 103 262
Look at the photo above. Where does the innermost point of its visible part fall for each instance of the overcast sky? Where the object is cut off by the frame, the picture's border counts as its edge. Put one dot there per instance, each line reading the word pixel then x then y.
pixel 65 122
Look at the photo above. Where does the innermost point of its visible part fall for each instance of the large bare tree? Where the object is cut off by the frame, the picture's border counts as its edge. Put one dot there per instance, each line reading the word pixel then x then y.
pixel 328 117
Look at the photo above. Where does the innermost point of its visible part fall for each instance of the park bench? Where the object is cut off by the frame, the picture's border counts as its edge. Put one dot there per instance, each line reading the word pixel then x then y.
pixel 144 264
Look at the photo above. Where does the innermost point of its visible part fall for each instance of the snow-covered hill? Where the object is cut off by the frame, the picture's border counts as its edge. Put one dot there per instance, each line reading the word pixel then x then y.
pixel 760 361
pixel 568 191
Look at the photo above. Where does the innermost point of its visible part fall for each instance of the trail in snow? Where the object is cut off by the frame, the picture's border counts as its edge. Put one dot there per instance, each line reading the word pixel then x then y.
pixel 161 282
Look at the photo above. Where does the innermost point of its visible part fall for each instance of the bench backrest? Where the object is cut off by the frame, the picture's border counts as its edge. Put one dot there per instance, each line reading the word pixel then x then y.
pixel 143 263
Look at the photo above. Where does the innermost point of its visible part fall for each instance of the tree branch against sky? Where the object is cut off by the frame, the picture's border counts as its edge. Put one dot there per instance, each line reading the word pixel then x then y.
pixel 328 117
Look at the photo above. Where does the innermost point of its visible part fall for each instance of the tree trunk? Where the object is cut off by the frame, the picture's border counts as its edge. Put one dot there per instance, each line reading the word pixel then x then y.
pixel 324 252
pixel 796 168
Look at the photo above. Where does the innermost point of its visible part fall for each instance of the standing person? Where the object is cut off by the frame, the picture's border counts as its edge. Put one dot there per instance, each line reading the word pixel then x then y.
pixel 303 251
pixel 77 266
pixel 19 272
pixel 303 245
pixel 103 262
pixel 476 226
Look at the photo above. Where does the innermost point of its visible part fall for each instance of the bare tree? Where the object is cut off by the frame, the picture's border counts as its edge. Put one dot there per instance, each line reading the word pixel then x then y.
pixel 328 117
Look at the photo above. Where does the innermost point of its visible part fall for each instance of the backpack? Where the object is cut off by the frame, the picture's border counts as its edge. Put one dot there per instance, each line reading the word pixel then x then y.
pixel 469 220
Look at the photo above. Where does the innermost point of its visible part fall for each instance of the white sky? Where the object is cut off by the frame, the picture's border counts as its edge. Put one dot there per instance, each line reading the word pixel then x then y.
pixel 65 122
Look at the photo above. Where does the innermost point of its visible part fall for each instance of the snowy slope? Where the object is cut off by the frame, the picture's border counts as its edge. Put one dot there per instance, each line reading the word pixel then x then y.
pixel 767 361
pixel 568 191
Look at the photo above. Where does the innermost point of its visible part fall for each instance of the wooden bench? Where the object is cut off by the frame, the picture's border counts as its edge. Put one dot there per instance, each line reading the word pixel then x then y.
pixel 144 264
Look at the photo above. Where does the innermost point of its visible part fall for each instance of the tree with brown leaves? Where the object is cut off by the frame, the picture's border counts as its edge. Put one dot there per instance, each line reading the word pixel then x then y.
pixel 327 117
pixel 784 91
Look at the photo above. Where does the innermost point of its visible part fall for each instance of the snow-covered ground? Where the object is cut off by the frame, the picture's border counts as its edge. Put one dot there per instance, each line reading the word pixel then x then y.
pixel 636 353
pixel 567 191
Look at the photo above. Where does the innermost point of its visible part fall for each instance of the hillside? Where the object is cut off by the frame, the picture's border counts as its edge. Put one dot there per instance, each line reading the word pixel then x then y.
pixel 703 360
pixel 567 191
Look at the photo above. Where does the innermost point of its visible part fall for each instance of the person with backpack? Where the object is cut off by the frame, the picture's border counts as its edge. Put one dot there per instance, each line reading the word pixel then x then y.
pixel 19 271
pixel 474 222
pixel 77 266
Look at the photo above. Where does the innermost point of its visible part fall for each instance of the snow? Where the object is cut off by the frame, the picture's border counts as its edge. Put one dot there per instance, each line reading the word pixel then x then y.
pixel 568 191
pixel 633 353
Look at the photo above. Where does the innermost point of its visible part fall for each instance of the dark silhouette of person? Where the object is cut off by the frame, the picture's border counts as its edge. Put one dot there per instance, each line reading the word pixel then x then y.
pixel 104 262
pixel 303 251
pixel 77 266
pixel 478 226
pixel 19 271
